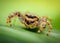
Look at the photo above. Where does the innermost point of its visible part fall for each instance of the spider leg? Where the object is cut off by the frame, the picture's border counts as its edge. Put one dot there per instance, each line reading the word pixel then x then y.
pixel 11 16
pixel 9 19
pixel 50 26
pixel 42 27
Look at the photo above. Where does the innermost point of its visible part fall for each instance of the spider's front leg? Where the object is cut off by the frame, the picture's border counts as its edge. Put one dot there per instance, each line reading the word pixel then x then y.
pixel 50 26
pixel 42 27
pixel 11 16
pixel 43 20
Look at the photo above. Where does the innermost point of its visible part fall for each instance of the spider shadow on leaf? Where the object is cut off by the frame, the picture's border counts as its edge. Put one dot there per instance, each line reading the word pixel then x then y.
pixel 31 30
pixel 34 30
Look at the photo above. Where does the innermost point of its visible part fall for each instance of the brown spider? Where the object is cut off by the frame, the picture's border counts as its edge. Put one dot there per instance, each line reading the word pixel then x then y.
pixel 32 21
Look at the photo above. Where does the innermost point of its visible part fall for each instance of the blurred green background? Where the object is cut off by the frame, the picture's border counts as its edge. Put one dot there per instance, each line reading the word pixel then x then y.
pixel 18 33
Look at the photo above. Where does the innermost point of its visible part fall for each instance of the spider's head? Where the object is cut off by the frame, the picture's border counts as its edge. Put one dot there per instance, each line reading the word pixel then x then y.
pixel 31 20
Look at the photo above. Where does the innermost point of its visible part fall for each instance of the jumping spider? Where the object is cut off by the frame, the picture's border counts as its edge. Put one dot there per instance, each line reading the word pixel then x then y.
pixel 31 21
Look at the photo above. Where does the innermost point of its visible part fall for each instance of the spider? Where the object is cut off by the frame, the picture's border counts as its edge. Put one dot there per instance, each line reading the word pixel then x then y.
pixel 32 21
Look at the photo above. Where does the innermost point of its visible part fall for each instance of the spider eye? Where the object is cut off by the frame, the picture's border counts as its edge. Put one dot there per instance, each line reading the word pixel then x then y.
pixel 31 16
pixel 32 22
pixel 29 22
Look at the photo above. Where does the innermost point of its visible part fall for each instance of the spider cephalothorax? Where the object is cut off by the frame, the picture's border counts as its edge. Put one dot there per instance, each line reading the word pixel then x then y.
pixel 31 21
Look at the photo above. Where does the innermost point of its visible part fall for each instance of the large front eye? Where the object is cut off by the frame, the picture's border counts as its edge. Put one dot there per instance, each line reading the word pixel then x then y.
pixel 29 22
pixel 32 21
pixel 30 16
